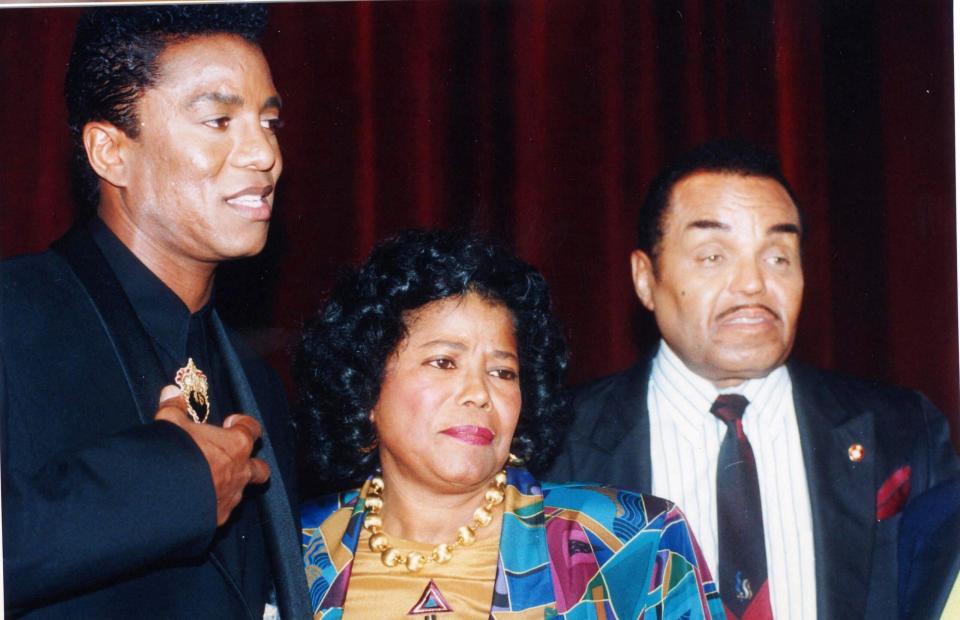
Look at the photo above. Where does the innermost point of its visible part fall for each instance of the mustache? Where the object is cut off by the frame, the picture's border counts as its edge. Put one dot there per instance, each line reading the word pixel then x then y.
pixel 735 309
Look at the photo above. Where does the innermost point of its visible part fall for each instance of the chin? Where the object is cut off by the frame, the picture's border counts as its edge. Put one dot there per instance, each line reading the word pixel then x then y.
pixel 244 246
pixel 754 367
pixel 467 473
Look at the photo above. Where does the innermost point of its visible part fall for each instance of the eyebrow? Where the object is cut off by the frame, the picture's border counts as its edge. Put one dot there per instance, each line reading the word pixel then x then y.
pixel 272 102
pixel 790 229
pixel 498 353
pixel 221 98
pixel 785 228
pixel 708 225
pixel 233 100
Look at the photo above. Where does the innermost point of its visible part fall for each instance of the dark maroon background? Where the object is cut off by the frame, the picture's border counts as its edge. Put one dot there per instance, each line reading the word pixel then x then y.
pixel 542 122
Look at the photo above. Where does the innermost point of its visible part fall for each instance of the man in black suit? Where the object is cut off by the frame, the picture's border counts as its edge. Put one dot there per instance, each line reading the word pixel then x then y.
pixel 120 501
pixel 823 463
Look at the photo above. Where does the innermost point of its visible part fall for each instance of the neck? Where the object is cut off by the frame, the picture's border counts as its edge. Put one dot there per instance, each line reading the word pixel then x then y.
pixel 189 279
pixel 413 512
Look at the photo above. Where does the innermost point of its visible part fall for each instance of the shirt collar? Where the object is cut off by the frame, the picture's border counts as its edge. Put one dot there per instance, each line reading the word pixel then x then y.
pixel 692 393
pixel 685 388
pixel 164 315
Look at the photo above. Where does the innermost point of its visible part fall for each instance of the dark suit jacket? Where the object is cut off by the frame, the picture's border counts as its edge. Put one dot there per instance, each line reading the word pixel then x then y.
pixel 107 514
pixel 609 442
pixel 929 552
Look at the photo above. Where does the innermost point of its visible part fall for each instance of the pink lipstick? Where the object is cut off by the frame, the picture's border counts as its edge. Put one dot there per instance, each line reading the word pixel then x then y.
pixel 473 435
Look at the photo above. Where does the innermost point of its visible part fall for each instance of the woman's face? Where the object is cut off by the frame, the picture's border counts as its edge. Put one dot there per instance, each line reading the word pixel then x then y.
pixel 450 397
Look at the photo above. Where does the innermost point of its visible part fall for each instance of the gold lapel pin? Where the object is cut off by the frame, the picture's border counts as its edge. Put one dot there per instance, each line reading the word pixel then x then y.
pixel 855 452
pixel 193 383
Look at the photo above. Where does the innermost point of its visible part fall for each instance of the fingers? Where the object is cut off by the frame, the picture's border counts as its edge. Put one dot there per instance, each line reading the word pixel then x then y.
pixel 172 406
pixel 226 449
pixel 259 471
pixel 245 427
pixel 169 392
pixel 244 423
pixel 251 430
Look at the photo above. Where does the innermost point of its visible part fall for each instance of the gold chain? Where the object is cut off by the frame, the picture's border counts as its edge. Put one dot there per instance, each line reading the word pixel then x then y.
pixel 414 561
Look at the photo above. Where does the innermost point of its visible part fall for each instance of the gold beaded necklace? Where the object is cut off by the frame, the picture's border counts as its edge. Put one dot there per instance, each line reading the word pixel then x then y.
pixel 414 561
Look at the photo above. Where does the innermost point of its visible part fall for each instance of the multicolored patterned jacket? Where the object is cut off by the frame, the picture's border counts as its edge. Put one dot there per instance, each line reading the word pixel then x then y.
pixel 566 551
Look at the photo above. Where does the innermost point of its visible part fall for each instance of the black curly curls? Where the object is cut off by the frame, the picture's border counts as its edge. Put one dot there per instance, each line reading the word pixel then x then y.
pixel 340 364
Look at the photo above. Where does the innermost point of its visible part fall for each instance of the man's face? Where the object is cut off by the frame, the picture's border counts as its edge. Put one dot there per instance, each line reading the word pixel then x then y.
pixel 729 282
pixel 203 168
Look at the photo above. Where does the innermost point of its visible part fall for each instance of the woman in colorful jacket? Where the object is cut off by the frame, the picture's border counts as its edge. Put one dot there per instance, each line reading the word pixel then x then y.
pixel 427 372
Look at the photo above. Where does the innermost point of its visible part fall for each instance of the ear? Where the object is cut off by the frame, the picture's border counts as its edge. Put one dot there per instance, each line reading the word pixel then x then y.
pixel 106 146
pixel 373 415
pixel 644 278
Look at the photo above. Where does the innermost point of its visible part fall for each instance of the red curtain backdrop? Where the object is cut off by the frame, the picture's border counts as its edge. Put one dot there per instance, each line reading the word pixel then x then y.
pixel 542 123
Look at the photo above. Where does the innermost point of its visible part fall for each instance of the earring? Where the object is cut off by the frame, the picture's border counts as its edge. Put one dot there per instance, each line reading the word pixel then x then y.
pixel 371 447
pixel 514 461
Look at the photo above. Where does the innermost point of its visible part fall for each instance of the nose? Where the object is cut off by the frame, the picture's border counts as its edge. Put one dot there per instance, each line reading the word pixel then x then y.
pixel 749 277
pixel 256 148
pixel 475 392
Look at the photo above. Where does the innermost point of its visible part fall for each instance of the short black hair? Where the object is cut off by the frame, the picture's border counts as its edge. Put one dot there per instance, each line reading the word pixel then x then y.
pixel 725 156
pixel 114 60
pixel 340 364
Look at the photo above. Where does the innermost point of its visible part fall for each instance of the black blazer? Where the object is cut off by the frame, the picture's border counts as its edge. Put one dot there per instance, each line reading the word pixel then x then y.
pixel 855 554
pixel 106 513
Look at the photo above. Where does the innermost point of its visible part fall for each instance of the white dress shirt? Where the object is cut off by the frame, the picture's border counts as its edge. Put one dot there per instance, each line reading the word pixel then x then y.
pixel 684 445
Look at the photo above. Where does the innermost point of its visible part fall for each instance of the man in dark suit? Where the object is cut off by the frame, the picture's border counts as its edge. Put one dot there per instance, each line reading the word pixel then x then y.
pixel 796 507
pixel 120 501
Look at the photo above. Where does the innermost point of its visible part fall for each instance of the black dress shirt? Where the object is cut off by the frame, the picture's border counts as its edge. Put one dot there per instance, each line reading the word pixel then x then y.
pixel 177 335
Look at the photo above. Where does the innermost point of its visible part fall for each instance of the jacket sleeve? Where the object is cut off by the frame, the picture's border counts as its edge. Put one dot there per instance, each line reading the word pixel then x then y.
pixel 93 515
pixel 689 590
pixel 938 454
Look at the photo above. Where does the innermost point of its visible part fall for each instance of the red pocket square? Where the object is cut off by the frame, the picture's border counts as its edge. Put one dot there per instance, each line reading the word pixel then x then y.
pixel 893 493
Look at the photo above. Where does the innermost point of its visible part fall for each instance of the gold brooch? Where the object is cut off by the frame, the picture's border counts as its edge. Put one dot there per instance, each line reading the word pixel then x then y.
pixel 193 383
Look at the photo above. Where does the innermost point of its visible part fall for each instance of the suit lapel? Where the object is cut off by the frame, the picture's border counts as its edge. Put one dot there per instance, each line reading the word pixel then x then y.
pixel 842 499
pixel 623 431
pixel 135 353
pixel 280 530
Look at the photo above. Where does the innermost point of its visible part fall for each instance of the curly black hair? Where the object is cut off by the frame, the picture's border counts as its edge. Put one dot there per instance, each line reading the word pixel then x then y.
pixel 723 155
pixel 114 60
pixel 340 364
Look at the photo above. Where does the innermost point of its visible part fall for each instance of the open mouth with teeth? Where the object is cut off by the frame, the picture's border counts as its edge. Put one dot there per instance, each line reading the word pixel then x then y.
pixel 747 320
pixel 252 203
pixel 247 201
pixel 747 317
